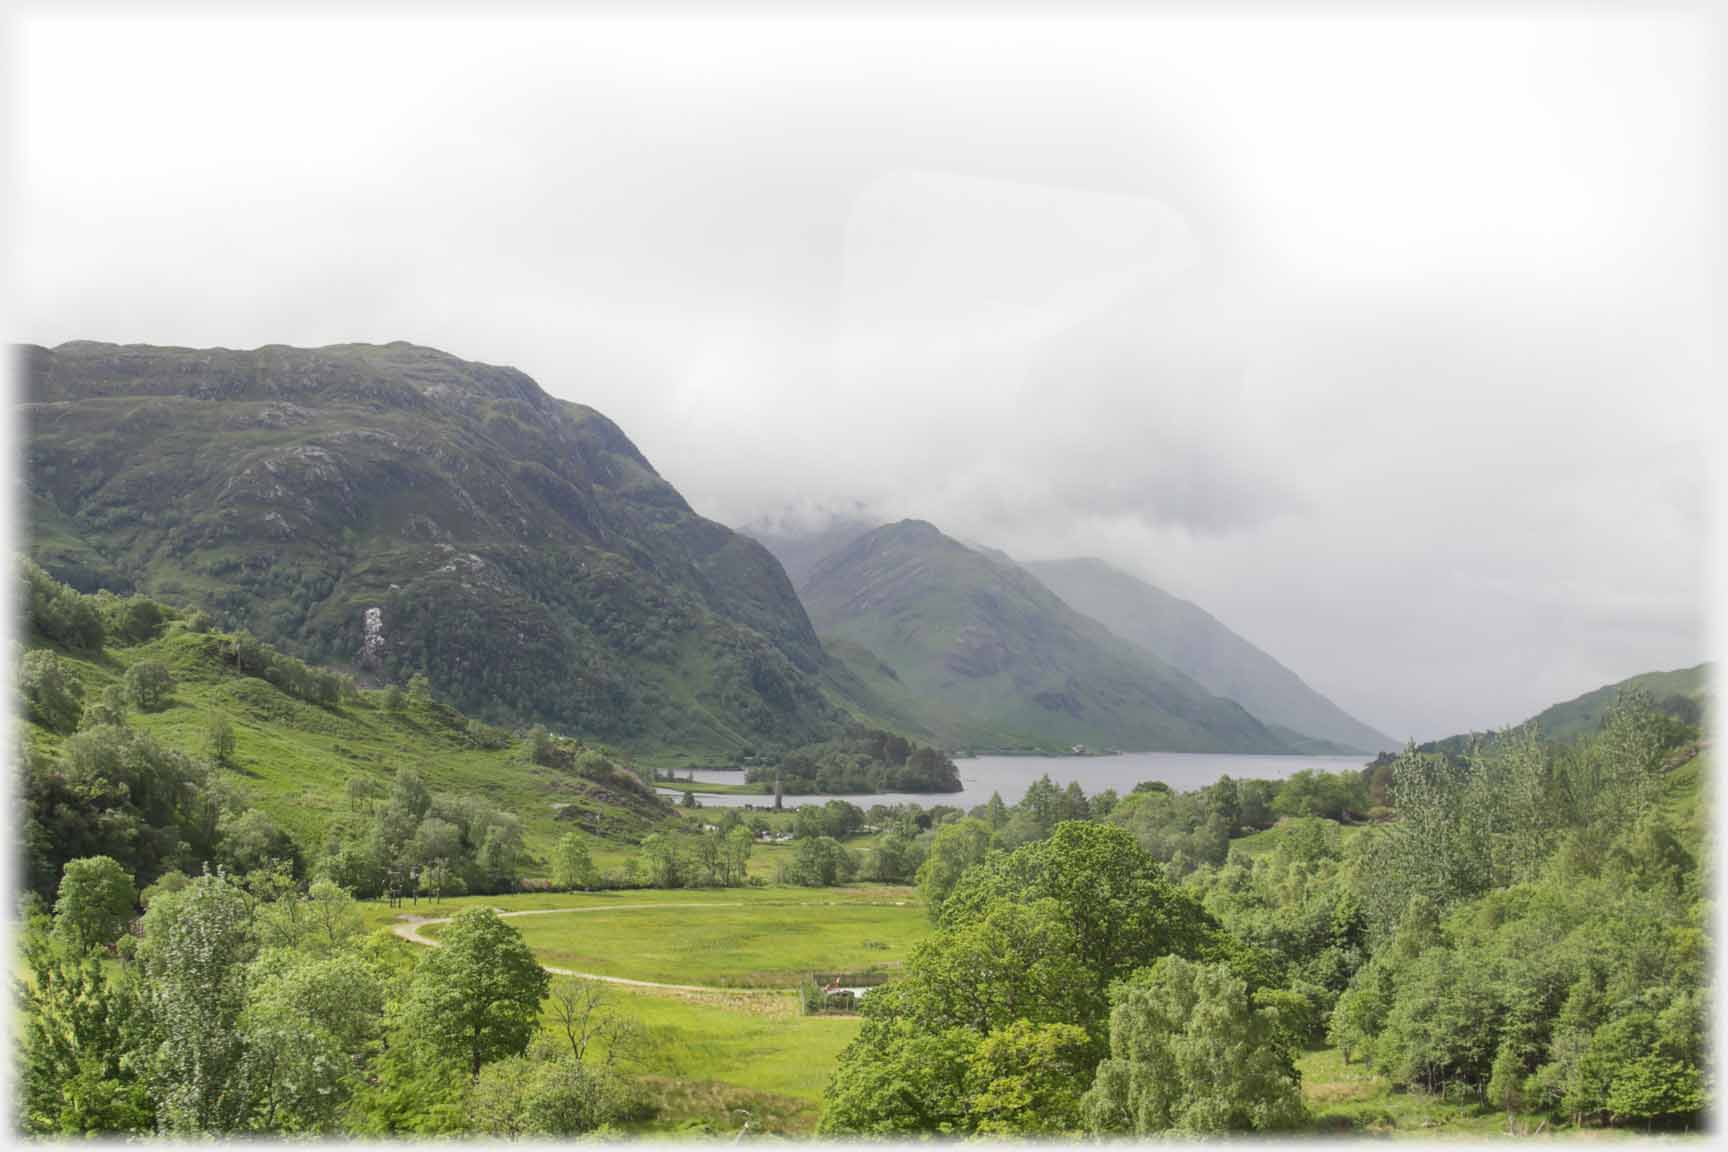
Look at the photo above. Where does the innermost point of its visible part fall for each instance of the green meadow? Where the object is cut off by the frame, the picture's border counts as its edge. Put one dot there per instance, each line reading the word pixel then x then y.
pixel 723 943
pixel 710 1058
pixel 705 1057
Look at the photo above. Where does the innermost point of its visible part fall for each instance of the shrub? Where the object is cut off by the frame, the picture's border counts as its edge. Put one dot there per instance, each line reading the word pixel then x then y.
pixel 59 614
pixel 149 685
pixel 53 695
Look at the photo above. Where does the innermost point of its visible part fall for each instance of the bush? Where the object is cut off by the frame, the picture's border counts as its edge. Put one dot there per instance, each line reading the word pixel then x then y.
pixel 134 620
pixel 313 685
pixel 219 738
pixel 149 685
pixel 59 614
pixel 522 1096
pixel 53 695
pixel 112 708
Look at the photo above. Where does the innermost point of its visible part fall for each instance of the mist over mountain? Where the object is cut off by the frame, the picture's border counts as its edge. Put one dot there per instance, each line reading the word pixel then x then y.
pixel 981 653
pixel 1192 640
pixel 800 548
pixel 1172 630
pixel 399 510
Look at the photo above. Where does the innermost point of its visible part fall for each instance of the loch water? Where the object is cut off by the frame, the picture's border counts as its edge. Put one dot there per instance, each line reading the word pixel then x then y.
pixel 1011 775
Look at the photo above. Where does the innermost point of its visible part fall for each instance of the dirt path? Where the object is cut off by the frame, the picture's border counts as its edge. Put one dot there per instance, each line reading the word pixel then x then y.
pixel 408 927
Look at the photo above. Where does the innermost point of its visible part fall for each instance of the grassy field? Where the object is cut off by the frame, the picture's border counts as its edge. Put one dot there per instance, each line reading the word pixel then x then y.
pixel 725 944
pixel 705 1056
pixel 377 913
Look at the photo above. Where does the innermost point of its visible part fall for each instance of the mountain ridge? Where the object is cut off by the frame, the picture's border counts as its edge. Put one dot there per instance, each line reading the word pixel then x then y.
pixel 1199 644
pixel 517 548
pixel 1684 694
pixel 985 654
pixel 1582 713
pixel 1180 634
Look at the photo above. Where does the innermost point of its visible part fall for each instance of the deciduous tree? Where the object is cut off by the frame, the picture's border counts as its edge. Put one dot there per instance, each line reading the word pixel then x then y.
pixel 95 903
pixel 572 865
pixel 1190 1053
pixel 477 998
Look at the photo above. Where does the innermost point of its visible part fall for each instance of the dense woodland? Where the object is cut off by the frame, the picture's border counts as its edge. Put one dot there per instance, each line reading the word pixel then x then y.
pixel 1520 928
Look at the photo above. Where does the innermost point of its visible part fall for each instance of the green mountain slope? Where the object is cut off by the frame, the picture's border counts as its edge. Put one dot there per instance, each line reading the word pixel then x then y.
pixel 1196 643
pixel 515 548
pixel 295 760
pixel 978 652
pixel 870 691
pixel 1683 692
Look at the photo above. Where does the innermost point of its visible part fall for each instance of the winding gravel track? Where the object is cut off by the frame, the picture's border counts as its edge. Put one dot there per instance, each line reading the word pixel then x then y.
pixel 408 927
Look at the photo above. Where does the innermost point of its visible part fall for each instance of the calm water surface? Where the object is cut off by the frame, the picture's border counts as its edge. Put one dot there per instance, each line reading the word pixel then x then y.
pixel 1011 775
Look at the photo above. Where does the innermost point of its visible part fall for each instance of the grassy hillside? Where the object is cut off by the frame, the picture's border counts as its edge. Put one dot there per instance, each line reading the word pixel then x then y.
pixel 1583 714
pixel 395 510
pixel 294 760
pixel 1193 641
pixel 870 690
pixel 1683 694
pixel 976 651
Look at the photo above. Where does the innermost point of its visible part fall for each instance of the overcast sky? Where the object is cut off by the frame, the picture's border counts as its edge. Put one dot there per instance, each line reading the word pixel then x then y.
pixel 1386 340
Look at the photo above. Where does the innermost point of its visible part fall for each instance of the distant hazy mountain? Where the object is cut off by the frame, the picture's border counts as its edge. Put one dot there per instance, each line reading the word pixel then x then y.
pixel 1193 641
pixel 979 652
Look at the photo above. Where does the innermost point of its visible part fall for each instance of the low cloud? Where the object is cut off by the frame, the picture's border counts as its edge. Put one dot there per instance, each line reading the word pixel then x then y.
pixel 1410 388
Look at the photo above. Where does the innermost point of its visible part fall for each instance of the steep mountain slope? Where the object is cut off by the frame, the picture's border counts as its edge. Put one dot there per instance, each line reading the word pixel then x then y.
pixel 395 509
pixel 980 653
pixel 1193 641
